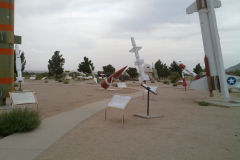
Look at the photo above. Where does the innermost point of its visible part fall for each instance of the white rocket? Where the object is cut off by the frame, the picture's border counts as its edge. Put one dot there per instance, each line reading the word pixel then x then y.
pixel 94 78
pixel 212 47
pixel 18 64
pixel 139 62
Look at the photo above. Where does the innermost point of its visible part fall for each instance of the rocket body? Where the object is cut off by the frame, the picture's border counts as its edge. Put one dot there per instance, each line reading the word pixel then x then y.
pixel 6 48
pixel 211 43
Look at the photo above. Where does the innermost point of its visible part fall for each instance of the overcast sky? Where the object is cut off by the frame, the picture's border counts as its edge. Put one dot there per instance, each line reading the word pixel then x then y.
pixel 101 30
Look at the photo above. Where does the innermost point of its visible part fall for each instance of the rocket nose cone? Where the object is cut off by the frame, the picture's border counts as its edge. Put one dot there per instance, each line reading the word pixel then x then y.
pixel 118 73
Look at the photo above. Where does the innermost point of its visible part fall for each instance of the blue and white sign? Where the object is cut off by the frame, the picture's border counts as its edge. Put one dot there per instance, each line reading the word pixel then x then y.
pixel 233 81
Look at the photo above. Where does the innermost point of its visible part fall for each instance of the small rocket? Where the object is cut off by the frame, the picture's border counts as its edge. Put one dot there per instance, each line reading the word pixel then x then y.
pixel 139 62
pixel 94 78
pixel 184 69
pixel 213 55
pixel 107 82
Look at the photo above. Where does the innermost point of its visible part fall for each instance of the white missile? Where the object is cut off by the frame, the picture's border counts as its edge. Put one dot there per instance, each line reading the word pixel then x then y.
pixel 18 64
pixel 211 41
pixel 139 62
pixel 94 78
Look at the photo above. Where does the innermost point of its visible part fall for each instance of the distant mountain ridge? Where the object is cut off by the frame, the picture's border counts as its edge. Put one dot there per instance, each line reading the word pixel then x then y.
pixel 233 68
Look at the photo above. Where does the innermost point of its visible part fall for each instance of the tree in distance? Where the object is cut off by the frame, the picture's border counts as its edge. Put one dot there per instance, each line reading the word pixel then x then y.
pixel 108 70
pixel 175 68
pixel 162 69
pixel 198 69
pixel 55 65
pixel 132 72
pixel 85 65
pixel 23 61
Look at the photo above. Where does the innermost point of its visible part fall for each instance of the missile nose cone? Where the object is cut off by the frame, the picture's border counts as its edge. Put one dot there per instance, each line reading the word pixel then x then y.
pixel 105 84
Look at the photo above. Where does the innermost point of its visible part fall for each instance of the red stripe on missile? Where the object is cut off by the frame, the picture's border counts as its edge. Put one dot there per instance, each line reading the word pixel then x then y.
pixel 6 27
pixel 6 51
pixel 6 5
pixel 6 80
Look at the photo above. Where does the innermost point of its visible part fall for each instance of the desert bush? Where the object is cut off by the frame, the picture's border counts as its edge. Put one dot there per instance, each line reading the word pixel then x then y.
pixel 39 77
pixel 18 120
pixel 66 81
pixel 166 82
pixel 230 90
pixel 124 77
pixel 202 103
pixel 174 77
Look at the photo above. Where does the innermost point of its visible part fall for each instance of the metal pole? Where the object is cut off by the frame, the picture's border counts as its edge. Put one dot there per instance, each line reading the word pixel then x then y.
pixel 148 104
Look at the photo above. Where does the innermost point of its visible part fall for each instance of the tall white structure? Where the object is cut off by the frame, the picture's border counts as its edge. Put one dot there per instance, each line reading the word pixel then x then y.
pixel 139 62
pixel 211 42
pixel 18 64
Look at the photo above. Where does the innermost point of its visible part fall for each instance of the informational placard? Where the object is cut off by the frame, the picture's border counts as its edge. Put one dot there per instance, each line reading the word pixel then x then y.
pixel 119 101
pixel 24 97
pixel 17 39
pixel 153 88
pixel 121 85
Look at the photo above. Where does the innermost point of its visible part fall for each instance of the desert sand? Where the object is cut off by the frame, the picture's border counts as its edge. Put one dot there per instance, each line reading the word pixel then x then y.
pixel 186 131
pixel 54 97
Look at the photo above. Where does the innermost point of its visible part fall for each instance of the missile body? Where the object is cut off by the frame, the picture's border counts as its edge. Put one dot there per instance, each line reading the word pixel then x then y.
pixel 6 48
pixel 211 43
pixel 18 64
pixel 139 62
pixel 107 82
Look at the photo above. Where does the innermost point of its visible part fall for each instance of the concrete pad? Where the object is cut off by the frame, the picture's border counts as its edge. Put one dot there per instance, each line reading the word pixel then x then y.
pixel 221 102
pixel 27 146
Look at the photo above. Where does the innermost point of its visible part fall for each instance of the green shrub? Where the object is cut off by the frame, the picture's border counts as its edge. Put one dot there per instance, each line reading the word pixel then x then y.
pixel 18 120
pixel 66 81
pixel 15 84
pixel 230 90
pixel 59 80
pixel 174 84
pixel 39 76
pixel 166 82
pixel 202 103
pixel 174 77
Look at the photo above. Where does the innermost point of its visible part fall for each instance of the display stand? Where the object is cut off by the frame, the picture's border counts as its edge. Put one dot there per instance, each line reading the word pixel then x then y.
pixel 148 116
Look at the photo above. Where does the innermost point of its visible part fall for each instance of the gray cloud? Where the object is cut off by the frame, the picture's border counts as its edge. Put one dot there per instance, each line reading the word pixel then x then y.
pixel 101 29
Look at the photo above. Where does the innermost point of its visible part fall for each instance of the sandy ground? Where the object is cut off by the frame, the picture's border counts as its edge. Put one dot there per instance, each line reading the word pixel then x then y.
pixel 55 97
pixel 186 132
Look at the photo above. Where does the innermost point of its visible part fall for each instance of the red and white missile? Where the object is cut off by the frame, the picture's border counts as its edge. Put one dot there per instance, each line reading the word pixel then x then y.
pixel 184 68
pixel 212 47
pixel 107 82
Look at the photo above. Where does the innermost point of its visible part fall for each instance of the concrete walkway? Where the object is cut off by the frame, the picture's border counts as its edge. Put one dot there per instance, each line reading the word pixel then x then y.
pixel 27 146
